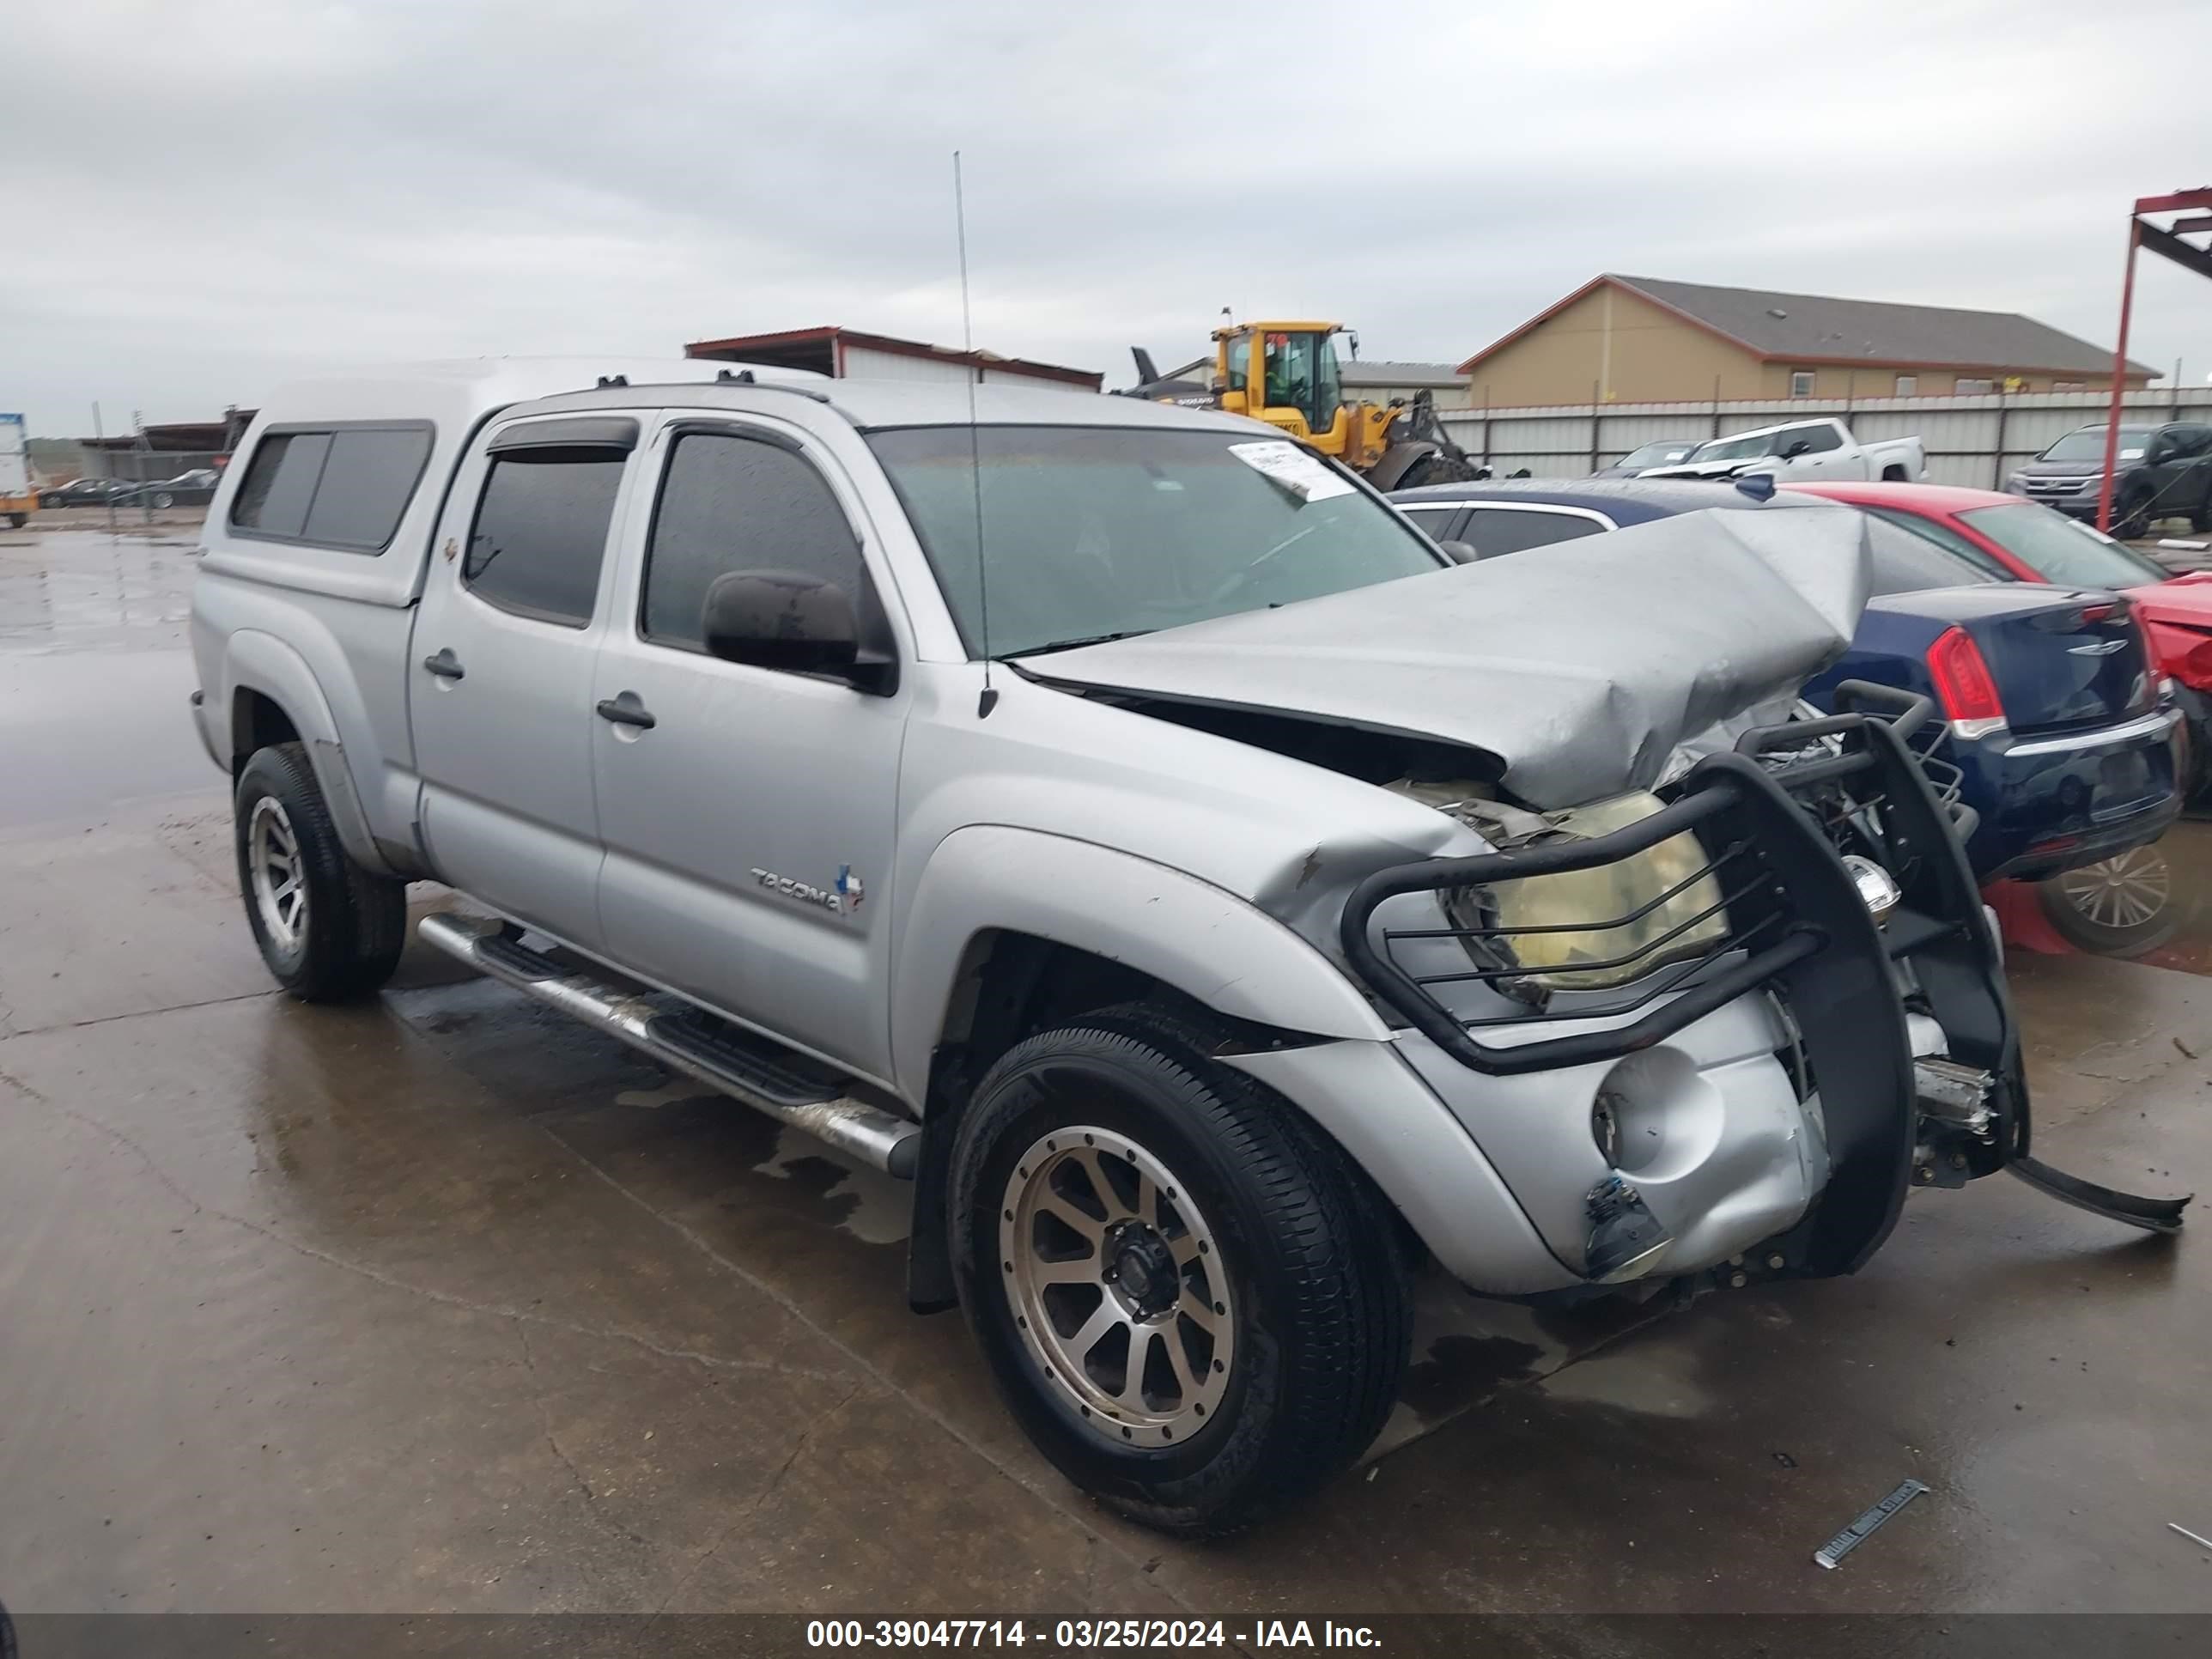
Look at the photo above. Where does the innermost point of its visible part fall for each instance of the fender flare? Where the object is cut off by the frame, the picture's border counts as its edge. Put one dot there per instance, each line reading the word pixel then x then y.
pixel 1202 939
pixel 1399 459
pixel 259 661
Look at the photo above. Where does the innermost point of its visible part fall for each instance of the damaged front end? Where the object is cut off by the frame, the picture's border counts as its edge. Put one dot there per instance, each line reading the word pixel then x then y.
pixel 1810 879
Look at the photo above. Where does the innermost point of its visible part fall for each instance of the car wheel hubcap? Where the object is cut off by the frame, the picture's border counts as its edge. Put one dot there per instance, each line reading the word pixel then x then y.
pixel 1116 1280
pixel 280 884
pixel 2125 892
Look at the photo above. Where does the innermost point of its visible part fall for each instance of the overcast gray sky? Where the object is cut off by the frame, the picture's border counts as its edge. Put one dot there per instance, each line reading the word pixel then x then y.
pixel 209 195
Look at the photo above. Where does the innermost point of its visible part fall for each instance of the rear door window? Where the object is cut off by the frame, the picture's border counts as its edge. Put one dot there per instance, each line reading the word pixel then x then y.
pixel 1496 530
pixel 344 488
pixel 1435 522
pixel 1904 563
pixel 280 482
pixel 1975 562
pixel 540 533
pixel 1818 438
pixel 728 503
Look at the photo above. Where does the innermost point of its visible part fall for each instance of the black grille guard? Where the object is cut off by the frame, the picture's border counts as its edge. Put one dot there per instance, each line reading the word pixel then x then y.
pixel 1796 922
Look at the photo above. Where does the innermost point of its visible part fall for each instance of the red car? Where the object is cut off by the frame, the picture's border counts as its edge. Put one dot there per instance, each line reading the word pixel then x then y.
pixel 2128 904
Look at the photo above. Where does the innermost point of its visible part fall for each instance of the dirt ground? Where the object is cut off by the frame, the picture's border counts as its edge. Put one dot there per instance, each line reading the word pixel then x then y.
pixel 441 1304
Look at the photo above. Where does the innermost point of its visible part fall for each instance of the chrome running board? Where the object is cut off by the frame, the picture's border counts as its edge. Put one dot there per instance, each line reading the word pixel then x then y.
pixel 788 1087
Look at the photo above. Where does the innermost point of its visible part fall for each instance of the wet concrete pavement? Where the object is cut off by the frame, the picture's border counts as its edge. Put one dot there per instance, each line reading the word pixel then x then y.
pixel 440 1303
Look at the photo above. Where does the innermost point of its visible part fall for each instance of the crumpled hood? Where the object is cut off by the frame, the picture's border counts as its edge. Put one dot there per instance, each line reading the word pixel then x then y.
pixel 1579 667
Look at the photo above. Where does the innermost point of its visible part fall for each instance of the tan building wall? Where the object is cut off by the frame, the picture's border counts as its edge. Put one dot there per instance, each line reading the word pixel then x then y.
pixel 1632 351
pixel 1629 349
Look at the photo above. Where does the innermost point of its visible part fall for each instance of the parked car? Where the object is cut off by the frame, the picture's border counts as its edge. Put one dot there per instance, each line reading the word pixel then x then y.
pixel 193 489
pixel 85 492
pixel 1663 451
pixel 2159 472
pixel 1123 824
pixel 2057 723
pixel 1819 448
pixel 2132 902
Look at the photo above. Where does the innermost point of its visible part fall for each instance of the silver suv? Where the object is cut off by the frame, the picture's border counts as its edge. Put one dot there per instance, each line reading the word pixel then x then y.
pixel 1127 826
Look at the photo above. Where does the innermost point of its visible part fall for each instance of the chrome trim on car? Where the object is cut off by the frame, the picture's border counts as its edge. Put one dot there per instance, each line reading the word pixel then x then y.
pixel 2158 723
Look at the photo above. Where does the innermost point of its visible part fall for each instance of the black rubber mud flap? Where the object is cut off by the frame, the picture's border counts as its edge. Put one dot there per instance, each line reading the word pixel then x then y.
pixel 2157 1215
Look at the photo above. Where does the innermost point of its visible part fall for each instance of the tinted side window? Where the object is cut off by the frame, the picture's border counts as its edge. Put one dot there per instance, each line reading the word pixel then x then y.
pixel 1976 560
pixel 346 487
pixel 1435 522
pixel 730 503
pixel 1905 564
pixel 367 483
pixel 1816 438
pixel 1493 532
pixel 280 482
pixel 541 532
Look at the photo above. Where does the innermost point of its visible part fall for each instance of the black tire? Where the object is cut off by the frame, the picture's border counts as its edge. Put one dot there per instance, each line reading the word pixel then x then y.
pixel 1436 469
pixel 354 924
pixel 2123 906
pixel 164 499
pixel 1318 1331
pixel 17 520
pixel 2131 518
pixel 1894 475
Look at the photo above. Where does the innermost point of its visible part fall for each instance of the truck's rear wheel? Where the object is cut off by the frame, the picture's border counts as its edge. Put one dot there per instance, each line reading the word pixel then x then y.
pixel 327 928
pixel 1189 1299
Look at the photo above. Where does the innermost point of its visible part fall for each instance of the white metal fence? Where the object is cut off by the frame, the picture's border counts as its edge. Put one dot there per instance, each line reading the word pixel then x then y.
pixel 1970 440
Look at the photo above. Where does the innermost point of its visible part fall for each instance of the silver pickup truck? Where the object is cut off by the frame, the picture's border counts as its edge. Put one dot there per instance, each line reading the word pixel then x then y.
pixel 1123 824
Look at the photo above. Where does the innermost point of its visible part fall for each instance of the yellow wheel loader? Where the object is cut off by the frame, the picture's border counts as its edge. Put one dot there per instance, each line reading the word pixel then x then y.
pixel 1286 374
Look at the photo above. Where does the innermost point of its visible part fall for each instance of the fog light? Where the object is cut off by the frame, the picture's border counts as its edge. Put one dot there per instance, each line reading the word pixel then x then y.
pixel 1878 890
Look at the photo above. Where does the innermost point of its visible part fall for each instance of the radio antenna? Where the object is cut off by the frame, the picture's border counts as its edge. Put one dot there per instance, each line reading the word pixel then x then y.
pixel 989 700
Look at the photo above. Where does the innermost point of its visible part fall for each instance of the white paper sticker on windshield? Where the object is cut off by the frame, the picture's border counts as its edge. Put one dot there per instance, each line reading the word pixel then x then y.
pixel 1284 464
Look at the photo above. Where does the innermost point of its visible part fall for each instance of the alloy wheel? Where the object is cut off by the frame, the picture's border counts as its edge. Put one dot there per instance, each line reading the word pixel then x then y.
pixel 1117 1287
pixel 2122 891
pixel 280 881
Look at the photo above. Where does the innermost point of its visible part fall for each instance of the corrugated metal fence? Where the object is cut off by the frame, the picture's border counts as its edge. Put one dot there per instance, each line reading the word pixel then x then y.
pixel 1970 440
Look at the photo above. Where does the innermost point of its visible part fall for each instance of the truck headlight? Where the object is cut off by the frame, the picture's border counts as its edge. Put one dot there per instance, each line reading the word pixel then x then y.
pixel 2016 484
pixel 1593 930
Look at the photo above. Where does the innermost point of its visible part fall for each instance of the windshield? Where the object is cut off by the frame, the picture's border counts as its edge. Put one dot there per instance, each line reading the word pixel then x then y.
pixel 2087 444
pixel 1108 531
pixel 1736 449
pixel 1658 454
pixel 2060 550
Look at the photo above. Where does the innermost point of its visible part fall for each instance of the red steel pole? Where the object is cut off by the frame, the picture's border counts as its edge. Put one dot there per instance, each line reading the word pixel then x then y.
pixel 2119 380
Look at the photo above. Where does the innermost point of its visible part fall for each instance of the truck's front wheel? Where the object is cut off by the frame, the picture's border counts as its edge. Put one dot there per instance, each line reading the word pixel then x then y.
pixel 327 928
pixel 1191 1301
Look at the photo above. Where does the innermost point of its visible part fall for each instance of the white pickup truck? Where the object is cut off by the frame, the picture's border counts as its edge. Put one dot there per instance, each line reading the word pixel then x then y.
pixel 1798 450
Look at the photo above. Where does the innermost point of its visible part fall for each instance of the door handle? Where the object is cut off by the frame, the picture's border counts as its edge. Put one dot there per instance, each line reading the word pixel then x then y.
pixel 627 710
pixel 446 665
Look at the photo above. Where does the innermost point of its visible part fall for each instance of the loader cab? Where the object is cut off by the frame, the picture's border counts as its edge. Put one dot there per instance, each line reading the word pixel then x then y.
pixel 1286 374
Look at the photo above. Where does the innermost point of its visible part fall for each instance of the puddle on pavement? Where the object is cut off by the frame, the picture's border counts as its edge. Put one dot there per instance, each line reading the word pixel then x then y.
pixel 83 590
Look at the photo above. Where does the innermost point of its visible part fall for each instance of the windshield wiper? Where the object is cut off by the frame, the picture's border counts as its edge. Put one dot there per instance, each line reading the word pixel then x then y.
pixel 1070 645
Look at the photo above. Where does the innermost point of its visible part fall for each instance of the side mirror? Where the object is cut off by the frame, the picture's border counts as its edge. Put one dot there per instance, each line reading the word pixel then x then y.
pixel 1796 447
pixel 1460 552
pixel 795 622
